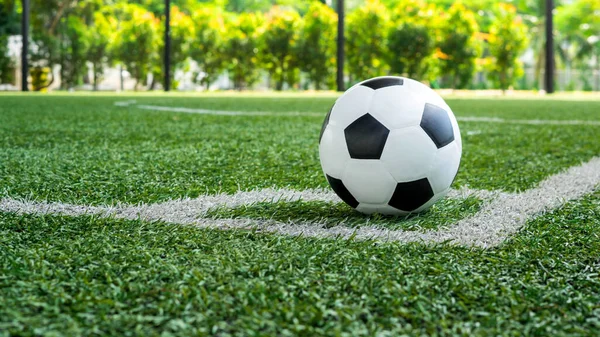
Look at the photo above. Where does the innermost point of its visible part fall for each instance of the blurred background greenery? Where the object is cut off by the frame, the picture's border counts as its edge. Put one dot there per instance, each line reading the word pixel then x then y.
pixel 291 44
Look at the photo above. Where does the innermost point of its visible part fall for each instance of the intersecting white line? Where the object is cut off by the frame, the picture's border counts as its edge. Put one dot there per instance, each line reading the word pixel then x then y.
pixel 319 114
pixel 503 216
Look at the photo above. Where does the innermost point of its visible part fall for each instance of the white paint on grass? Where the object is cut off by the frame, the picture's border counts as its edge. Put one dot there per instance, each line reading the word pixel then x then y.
pixel 214 112
pixel 501 217
pixel 528 121
pixel 126 103
pixel 189 210
pixel 318 114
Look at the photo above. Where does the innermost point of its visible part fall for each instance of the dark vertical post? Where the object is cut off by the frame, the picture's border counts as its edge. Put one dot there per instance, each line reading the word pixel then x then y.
pixel 340 46
pixel 25 46
pixel 167 45
pixel 549 75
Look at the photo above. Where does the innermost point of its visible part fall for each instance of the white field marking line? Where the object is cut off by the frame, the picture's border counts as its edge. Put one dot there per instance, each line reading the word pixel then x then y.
pixel 527 121
pixel 215 112
pixel 317 114
pixel 188 210
pixel 492 225
pixel 125 103
pixel 503 216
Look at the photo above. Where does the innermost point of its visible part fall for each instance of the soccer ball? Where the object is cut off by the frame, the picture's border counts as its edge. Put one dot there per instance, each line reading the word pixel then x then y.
pixel 390 145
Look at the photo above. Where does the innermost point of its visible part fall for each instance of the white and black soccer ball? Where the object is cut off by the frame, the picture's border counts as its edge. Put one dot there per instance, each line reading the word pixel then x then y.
pixel 390 145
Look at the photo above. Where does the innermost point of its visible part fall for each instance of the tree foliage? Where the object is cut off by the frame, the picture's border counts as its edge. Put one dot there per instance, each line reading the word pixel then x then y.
pixel 73 51
pixel 137 42
pixel 207 43
pixel 316 47
pixel 578 25
pixel 99 36
pixel 241 46
pixel 279 39
pixel 508 39
pixel 411 40
pixel 367 29
pixel 9 25
pixel 182 34
pixel 282 39
pixel 7 66
pixel 458 47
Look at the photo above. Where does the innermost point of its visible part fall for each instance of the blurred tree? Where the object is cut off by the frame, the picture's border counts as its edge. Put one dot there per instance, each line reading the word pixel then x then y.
pixel 241 6
pixel 137 42
pixel 44 22
pixel 182 33
pixel 279 38
pixel 7 65
pixel 181 36
pixel 206 47
pixel 56 27
pixel 9 18
pixel 9 25
pixel 458 47
pixel 482 8
pixel 507 41
pixel 316 46
pixel 367 29
pixel 533 14
pixel 410 45
pixel 99 35
pixel 241 46
pixel 411 40
pixel 578 26
pixel 157 7
pixel 73 51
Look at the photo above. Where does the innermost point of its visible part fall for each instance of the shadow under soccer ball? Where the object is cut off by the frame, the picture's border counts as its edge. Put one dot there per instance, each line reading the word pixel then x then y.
pixel 390 145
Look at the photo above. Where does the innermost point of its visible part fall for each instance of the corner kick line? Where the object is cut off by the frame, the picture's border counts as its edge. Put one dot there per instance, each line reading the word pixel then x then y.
pixel 502 216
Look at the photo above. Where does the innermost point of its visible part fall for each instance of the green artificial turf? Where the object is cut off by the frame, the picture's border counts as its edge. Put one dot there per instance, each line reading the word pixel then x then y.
pixel 444 212
pixel 70 276
pixel 84 150
pixel 88 276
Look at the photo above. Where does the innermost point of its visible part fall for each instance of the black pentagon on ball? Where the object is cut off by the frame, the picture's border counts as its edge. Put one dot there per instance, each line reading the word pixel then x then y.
pixel 338 187
pixel 325 123
pixel 378 83
pixel 366 137
pixel 436 123
pixel 411 195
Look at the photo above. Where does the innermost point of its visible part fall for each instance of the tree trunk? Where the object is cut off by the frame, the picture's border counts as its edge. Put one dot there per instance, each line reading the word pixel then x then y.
pixel 541 61
pixel 95 74
pixel 454 76
pixel 63 82
pixel 597 70
pixel 281 80
pixel 153 83
pixel 59 13
pixel 121 77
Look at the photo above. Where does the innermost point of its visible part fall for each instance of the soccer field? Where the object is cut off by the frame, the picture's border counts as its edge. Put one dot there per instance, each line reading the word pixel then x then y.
pixel 210 215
